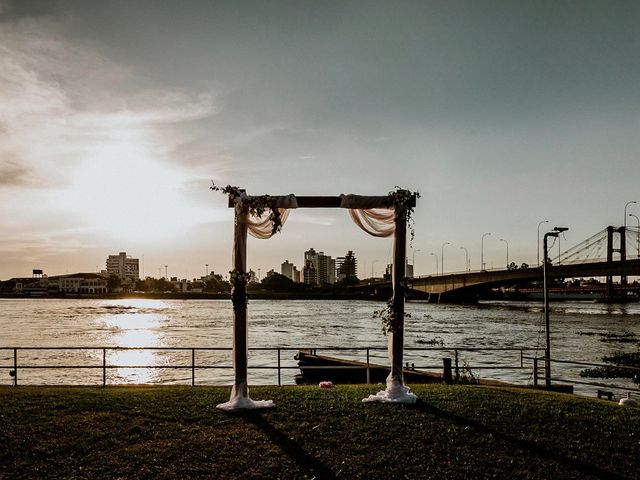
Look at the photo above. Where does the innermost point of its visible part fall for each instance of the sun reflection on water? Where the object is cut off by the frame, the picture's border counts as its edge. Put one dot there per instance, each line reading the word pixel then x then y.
pixel 135 323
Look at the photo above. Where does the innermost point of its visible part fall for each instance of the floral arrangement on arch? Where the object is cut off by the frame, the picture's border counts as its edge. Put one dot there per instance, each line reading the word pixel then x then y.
pixel 253 205
pixel 401 199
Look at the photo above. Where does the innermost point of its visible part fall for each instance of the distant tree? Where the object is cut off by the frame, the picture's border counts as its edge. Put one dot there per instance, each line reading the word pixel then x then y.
pixel 524 265
pixel 215 283
pixel 278 282
pixel 161 285
pixel 113 282
pixel 349 281
pixel 142 285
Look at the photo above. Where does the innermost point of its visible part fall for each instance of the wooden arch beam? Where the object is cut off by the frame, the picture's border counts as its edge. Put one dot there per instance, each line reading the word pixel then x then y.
pixel 333 202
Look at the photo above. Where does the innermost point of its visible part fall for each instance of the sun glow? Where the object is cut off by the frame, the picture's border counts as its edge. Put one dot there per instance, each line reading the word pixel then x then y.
pixel 124 193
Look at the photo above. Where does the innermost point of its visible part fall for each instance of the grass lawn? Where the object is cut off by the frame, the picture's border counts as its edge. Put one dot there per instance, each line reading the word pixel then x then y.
pixel 176 432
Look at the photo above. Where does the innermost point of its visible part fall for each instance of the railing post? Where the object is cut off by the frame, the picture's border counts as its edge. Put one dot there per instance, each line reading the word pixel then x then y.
pixel 104 367
pixel 368 369
pixel 455 351
pixel 193 367
pixel 535 371
pixel 15 367
pixel 521 359
pixel 279 373
pixel 446 371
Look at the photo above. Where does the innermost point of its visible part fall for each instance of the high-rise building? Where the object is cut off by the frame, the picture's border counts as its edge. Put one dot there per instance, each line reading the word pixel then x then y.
pixel 318 268
pixel 347 268
pixel 124 267
pixel 408 270
pixel 289 270
pixel 310 268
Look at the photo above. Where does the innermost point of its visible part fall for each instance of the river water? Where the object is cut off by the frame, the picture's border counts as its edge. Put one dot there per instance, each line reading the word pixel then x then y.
pixel 581 331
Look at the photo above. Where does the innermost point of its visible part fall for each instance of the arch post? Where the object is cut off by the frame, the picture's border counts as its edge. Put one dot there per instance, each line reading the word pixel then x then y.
pixel 396 391
pixel 396 336
pixel 240 399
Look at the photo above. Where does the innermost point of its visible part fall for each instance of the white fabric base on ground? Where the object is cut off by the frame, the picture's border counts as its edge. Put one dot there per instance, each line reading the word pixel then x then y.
pixel 245 403
pixel 395 392
pixel 240 400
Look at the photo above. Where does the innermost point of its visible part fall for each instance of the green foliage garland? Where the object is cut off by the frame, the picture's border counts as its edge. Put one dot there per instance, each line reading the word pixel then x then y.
pixel 254 205
pixel 387 314
pixel 239 282
pixel 401 199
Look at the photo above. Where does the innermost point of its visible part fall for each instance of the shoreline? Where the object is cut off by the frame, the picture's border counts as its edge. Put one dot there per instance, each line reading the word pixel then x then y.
pixel 207 296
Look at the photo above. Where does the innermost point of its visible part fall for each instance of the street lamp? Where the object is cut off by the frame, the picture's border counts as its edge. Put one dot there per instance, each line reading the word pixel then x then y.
pixel 547 354
pixel 625 212
pixel 543 221
pixel 372 264
pixel 442 256
pixel 414 261
pixel 165 271
pixel 637 233
pixel 507 243
pixel 206 265
pixel 482 251
pixel 467 267
pixel 436 261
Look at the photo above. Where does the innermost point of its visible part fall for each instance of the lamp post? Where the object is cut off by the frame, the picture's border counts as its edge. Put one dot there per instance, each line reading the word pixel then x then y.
pixel 547 353
pixel 467 267
pixel 165 271
pixel 507 244
pixel 436 261
pixel 625 212
pixel 206 266
pixel 372 264
pixel 543 221
pixel 413 260
pixel 442 256
pixel 637 233
pixel 482 250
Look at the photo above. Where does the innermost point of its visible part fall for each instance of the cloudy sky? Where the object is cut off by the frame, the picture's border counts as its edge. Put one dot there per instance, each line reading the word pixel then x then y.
pixel 116 116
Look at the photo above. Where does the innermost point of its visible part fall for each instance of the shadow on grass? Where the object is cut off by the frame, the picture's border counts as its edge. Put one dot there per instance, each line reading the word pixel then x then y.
pixel 538 450
pixel 306 462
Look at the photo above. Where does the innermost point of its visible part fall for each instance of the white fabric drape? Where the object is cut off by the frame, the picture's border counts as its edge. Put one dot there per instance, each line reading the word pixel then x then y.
pixel 262 227
pixel 366 212
pixel 376 222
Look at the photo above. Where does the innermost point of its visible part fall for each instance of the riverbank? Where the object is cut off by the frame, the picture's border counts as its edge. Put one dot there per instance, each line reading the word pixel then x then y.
pixel 176 432
pixel 253 295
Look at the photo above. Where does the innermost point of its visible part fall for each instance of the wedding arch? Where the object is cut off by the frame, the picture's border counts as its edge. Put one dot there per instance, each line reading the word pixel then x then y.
pixel 263 216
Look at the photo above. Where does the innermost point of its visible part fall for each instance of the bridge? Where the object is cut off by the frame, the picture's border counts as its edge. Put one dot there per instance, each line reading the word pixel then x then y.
pixel 465 286
pixel 604 254
pixel 593 257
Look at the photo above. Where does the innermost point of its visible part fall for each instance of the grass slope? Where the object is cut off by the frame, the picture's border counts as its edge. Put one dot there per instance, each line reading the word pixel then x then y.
pixel 176 432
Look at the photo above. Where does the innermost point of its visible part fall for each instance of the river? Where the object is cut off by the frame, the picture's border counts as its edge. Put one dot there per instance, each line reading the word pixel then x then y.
pixel 580 331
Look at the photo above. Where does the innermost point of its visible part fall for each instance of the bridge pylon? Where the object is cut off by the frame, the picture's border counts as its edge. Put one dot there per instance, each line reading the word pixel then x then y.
pixel 622 250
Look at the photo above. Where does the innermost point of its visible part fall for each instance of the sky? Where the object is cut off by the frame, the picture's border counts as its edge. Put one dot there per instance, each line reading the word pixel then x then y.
pixel 115 117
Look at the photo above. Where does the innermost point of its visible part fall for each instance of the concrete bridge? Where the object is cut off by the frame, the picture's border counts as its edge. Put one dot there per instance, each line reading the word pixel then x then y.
pixel 465 286
pixel 594 257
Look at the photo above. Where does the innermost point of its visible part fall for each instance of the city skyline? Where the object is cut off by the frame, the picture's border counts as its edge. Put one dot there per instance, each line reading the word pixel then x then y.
pixel 114 121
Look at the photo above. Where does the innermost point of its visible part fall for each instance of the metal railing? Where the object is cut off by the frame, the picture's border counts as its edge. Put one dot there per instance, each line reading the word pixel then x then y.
pixel 537 377
pixel 104 366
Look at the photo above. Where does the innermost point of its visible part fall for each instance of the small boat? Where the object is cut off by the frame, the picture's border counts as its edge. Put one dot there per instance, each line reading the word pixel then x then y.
pixel 316 368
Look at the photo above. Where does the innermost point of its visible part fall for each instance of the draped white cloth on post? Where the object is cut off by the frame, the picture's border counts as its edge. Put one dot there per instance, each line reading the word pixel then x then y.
pixel 263 229
pixel 379 222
